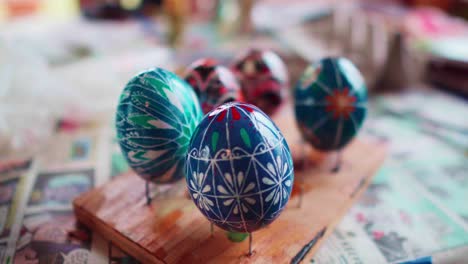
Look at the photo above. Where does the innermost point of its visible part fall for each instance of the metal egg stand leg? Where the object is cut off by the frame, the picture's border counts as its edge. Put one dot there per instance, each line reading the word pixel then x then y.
pixel 337 166
pixel 147 192
pixel 250 244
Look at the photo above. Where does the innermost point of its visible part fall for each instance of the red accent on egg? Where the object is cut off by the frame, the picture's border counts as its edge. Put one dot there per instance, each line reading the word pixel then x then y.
pixel 341 103
pixel 235 114
pixel 221 116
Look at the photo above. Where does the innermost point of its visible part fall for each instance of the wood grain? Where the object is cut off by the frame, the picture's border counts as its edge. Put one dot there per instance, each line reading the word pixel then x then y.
pixel 172 230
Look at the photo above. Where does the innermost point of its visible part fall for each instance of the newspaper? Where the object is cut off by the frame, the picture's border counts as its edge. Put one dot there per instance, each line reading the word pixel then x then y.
pixel 13 178
pixel 415 206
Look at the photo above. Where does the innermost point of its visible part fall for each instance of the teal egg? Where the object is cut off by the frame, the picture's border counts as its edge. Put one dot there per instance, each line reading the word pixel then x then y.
pixel 330 103
pixel 156 116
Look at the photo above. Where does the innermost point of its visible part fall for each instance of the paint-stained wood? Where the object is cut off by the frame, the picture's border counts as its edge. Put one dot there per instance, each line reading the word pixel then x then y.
pixel 172 230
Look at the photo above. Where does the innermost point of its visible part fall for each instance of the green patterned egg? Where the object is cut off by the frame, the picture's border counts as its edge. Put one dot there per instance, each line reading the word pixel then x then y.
pixel 156 116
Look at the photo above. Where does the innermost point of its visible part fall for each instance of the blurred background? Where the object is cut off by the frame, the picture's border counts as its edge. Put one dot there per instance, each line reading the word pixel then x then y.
pixel 77 55
pixel 68 60
pixel 64 63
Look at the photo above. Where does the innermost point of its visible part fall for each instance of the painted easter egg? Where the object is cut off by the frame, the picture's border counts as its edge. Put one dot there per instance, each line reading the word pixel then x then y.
pixel 239 168
pixel 156 117
pixel 330 103
pixel 263 77
pixel 214 84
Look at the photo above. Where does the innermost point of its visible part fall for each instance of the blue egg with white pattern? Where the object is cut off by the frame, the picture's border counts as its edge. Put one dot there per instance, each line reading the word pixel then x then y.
pixel 330 103
pixel 155 119
pixel 239 168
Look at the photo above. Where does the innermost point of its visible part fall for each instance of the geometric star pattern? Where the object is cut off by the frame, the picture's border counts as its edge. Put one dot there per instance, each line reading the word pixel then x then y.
pixel 330 103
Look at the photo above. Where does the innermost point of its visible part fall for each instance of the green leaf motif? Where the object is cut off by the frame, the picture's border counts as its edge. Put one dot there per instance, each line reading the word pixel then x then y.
pixel 214 140
pixel 159 86
pixel 245 137
pixel 187 131
pixel 156 117
pixel 141 120
pixel 140 155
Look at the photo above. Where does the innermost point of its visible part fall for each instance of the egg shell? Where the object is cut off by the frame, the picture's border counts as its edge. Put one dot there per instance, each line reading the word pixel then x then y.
pixel 239 168
pixel 214 84
pixel 330 103
pixel 263 77
pixel 156 117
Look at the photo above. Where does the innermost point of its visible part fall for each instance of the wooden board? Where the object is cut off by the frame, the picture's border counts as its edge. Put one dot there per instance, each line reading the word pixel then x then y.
pixel 172 230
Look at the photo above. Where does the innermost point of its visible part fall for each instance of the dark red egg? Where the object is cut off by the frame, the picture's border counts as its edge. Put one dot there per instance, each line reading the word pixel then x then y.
pixel 214 84
pixel 263 77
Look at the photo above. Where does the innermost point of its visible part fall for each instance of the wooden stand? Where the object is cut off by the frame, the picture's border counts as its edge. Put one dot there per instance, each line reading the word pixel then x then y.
pixel 172 230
